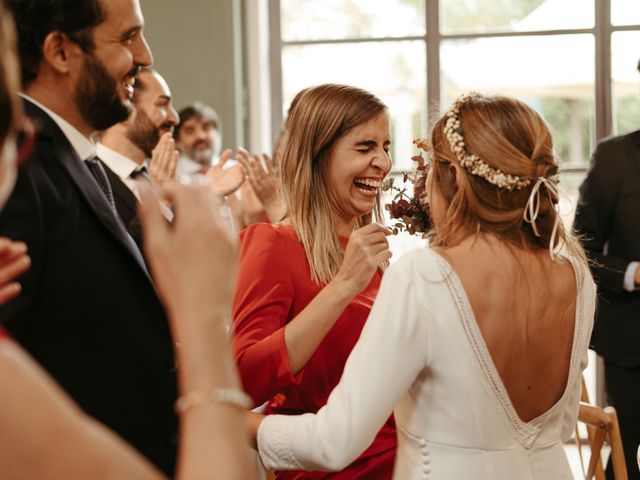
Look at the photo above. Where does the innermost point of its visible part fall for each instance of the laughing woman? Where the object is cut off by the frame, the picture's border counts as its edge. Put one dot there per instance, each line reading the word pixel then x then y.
pixel 306 286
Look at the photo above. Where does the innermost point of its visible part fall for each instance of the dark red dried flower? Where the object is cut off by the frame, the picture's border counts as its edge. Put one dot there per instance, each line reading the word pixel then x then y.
pixel 411 211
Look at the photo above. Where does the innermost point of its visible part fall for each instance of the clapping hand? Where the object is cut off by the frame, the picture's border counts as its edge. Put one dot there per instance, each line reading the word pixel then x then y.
pixel 225 181
pixel 193 259
pixel 164 159
pixel 14 261
pixel 263 181
pixel 252 209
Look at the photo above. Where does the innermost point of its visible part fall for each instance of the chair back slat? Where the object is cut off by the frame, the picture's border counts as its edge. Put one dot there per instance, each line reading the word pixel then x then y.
pixel 602 426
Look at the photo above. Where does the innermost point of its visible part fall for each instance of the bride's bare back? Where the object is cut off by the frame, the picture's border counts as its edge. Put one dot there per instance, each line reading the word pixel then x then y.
pixel 525 305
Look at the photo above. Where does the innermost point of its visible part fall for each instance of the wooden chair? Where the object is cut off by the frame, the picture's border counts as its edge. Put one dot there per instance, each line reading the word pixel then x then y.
pixel 602 425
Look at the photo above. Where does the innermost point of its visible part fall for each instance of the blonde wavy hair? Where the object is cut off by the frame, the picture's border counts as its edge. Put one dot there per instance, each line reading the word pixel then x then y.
pixel 512 137
pixel 318 118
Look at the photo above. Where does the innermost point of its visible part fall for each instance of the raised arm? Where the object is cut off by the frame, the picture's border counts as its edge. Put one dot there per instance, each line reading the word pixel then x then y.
pixel 391 351
pixel 194 262
pixel 270 352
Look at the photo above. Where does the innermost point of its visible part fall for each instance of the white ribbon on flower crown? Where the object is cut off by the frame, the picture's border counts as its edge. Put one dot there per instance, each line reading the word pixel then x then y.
pixel 532 209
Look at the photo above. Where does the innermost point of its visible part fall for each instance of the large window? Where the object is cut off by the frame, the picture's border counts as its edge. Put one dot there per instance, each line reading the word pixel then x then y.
pixel 573 60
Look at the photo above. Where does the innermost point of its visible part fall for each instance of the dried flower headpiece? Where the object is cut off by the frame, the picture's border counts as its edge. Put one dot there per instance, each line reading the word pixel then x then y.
pixel 476 166
pixel 471 162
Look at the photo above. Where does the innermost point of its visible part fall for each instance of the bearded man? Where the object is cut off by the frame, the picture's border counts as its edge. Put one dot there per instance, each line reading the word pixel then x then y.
pixel 141 149
pixel 199 138
pixel 88 311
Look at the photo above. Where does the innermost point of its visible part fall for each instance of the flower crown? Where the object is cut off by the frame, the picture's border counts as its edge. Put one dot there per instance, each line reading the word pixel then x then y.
pixel 471 162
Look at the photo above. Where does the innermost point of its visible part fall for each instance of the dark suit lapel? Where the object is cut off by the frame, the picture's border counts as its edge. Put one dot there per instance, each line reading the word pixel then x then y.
pixel 83 179
pixel 126 204
pixel 126 201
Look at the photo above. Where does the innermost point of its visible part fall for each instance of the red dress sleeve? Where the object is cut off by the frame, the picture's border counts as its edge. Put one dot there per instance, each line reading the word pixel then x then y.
pixel 262 301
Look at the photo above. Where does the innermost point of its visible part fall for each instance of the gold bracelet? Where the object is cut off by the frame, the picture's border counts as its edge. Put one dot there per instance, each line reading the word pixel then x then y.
pixel 231 396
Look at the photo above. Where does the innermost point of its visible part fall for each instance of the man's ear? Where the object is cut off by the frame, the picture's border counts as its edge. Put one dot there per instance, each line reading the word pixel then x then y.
pixel 58 51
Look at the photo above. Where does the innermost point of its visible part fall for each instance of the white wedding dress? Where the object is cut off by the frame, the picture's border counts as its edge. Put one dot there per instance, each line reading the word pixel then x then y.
pixel 422 355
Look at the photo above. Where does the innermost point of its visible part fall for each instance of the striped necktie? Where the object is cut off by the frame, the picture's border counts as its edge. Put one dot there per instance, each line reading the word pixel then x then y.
pixel 95 167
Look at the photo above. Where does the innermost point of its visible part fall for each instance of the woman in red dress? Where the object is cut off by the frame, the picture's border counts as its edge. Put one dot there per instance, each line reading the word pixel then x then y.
pixel 306 286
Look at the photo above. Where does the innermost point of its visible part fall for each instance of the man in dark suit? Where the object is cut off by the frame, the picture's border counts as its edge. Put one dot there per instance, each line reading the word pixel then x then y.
pixel 607 218
pixel 88 312
pixel 141 148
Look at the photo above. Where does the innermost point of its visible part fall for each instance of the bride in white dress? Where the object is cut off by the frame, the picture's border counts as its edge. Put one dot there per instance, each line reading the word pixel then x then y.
pixel 478 342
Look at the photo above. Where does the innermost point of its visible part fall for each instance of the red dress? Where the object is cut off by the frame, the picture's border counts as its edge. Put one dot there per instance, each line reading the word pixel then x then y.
pixel 274 285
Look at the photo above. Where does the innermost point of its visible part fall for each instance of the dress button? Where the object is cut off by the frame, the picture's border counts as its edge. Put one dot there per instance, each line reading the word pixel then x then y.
pixel 423 442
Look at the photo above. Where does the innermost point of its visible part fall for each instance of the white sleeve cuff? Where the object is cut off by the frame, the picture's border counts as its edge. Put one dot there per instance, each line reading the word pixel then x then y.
pixel 630 276
pixel 273 443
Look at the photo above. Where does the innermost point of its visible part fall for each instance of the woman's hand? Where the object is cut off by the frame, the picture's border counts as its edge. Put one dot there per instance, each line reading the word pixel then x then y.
pixel 193 259
pixel 14 261
pixel 264 182
pixel 263 179
pixel 252 209
pixel 367 250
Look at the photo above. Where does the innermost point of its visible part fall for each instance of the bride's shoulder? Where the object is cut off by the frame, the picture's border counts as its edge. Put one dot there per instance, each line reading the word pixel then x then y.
pixel 423 262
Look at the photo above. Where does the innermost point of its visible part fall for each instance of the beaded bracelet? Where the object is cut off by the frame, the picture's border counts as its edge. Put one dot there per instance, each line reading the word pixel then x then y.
pixel 231 396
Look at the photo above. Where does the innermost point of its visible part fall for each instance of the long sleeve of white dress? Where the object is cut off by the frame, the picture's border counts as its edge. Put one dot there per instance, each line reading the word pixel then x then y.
pixel 391 351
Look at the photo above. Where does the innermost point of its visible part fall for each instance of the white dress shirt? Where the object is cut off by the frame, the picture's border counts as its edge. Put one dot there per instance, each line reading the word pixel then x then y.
pixel 123 167
pixel 84 147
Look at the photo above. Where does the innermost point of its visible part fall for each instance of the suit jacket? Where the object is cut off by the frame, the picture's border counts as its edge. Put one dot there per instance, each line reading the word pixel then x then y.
pixel 88 311
pixel 607 216
pixel 126 205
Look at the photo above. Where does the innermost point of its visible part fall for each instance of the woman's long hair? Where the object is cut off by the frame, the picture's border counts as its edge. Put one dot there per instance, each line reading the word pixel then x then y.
pixel 319 117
